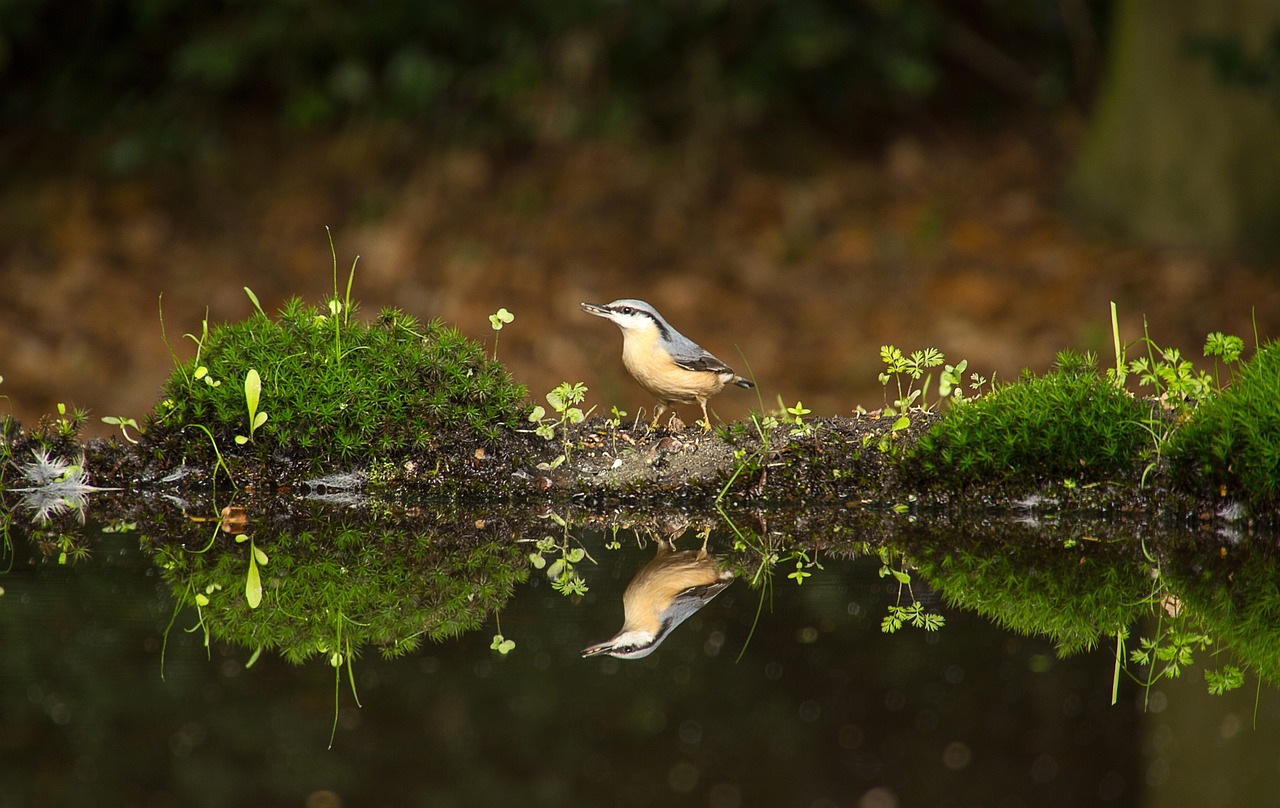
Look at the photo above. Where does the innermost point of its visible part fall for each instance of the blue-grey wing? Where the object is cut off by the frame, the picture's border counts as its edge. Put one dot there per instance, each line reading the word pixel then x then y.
pixel 702 361
pixel 690 601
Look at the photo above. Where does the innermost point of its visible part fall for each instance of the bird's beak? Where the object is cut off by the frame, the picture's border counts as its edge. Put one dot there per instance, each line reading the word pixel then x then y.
pixel 598 649
pixel 599 311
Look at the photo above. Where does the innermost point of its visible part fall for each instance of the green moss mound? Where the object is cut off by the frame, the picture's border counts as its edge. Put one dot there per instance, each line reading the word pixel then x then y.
pixel 337 389
pixel 1232 442
pixel 1069 423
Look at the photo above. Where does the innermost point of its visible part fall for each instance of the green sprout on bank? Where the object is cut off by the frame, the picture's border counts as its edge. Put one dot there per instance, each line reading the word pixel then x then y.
pixel 615 417
pixel 124 424
pixel 795 416
pixel 340 311
pixel 901 368
pixel 564 400
pixel 904 371
pixel 252 397
pixel 497 320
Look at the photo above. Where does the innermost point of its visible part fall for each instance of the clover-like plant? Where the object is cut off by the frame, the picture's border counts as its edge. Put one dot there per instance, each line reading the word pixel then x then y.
pixel 496 321
pixel 564 400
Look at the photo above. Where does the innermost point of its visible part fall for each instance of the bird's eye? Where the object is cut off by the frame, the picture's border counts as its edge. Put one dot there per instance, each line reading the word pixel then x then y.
pixel 627 310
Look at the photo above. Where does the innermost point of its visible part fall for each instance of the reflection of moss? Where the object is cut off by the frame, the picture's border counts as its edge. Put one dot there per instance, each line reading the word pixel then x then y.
pixel 1068 423
pixel 1233 440
pixel 1236 599
pixel 336 388
pixel 326 590
pixel 1075 590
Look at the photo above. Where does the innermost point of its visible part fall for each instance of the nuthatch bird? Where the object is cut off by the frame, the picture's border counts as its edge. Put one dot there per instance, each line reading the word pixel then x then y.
pixel 674 368
pixel 664 593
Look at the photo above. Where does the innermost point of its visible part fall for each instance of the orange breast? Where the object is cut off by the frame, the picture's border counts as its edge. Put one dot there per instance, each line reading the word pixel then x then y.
pixel 667 381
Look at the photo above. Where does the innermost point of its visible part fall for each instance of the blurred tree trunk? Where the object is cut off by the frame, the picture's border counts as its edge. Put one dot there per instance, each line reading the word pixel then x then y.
pixel 1174 154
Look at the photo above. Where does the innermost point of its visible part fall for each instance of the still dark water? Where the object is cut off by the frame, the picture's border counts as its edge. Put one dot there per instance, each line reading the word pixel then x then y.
pixel 815 707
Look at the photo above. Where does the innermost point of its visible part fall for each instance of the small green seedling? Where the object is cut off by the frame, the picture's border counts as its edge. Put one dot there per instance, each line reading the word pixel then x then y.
pixel 899 366
pixel 497 320
pixel 252 397
pixel 254 300
pixel 563 400
pixel 795 416
pixel 615 416
pixel 123 423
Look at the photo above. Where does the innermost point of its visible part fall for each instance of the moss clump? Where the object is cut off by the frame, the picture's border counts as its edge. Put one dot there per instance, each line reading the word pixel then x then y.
pixel 334 388
pixel 1232 442
pixel 1071 422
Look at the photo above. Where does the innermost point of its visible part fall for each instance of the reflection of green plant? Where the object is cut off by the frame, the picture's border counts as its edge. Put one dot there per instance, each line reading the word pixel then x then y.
pixel 336 586
pixel 1074 595
pixel 560 570
pixel 253 579
pixel 500 643
pixel 1233 598
pixel 913 614
pixel 803 565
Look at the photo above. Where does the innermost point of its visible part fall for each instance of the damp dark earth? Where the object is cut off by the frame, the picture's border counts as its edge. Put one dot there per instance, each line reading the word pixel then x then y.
pixel 331 648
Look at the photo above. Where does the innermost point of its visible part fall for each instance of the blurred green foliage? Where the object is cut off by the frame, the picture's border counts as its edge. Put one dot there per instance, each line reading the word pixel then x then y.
pixel 174 74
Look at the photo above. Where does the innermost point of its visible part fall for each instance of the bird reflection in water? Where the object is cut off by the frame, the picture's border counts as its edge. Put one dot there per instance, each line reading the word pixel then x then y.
pixel 674 585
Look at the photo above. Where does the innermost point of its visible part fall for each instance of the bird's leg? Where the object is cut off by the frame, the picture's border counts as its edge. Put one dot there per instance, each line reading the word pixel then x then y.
pixel 661 408
pixel 706 420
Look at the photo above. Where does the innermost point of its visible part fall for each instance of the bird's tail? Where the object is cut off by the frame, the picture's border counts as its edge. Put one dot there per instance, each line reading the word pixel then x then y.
pixel 745 383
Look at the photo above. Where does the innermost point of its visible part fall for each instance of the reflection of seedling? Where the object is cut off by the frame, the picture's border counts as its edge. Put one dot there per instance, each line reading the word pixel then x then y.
pixel 560 570
pixel 55 486
pixel 252 396
pixel 803 563
pixel 497 320
pixel 253 581
pixel 500 643
pixel 563 400
pixel 899 615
